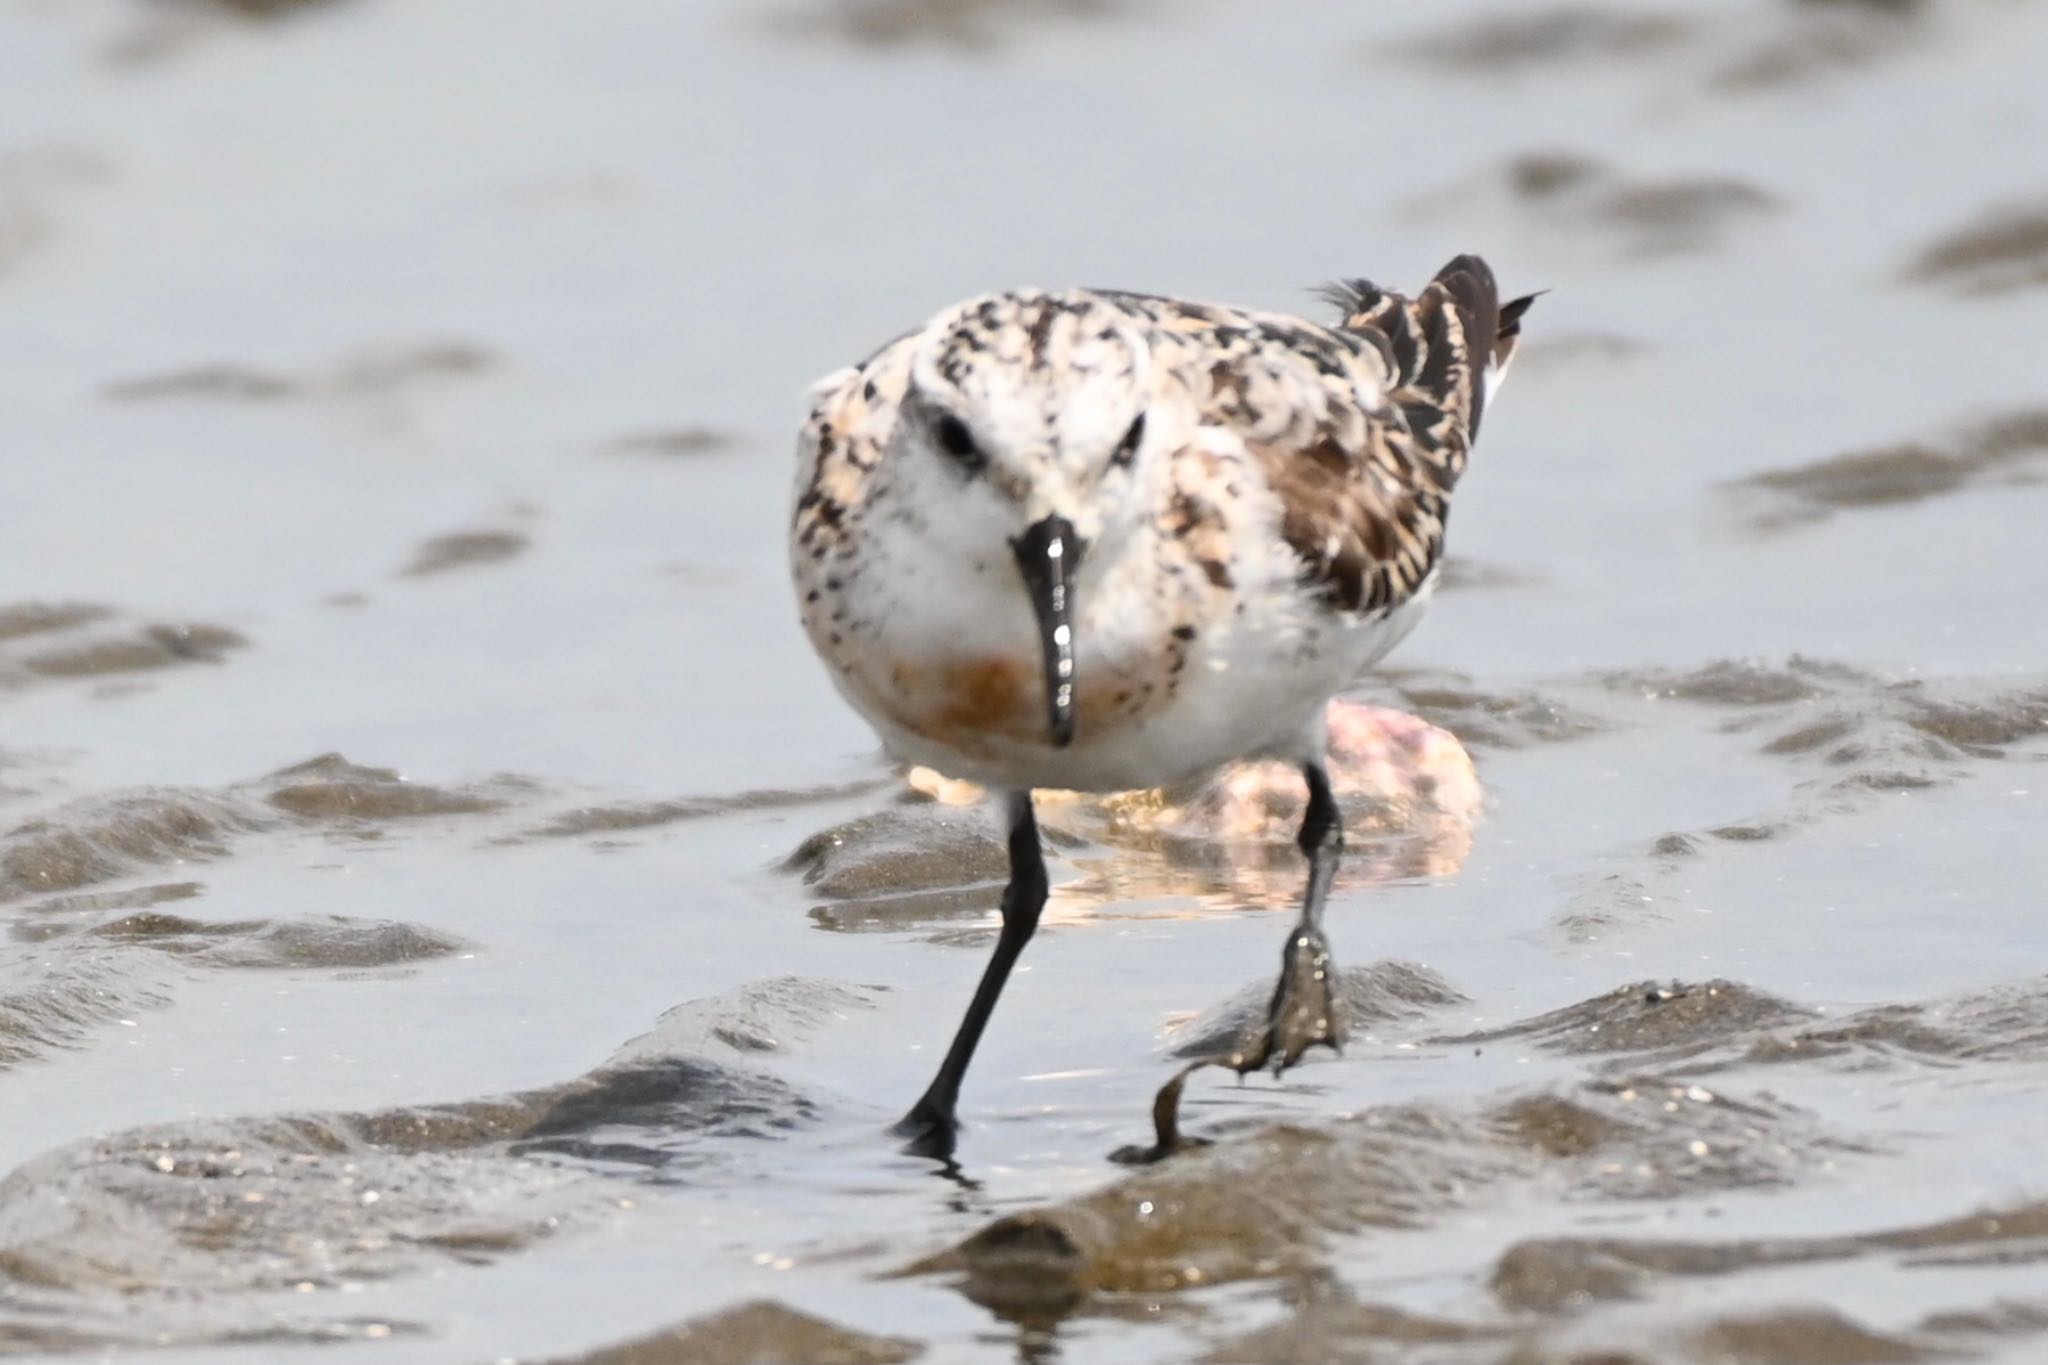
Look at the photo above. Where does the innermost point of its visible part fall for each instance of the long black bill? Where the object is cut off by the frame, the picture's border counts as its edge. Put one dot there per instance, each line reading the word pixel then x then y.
pixel 1048 554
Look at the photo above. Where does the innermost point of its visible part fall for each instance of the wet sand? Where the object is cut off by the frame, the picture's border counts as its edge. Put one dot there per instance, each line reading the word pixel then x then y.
pixel 446 915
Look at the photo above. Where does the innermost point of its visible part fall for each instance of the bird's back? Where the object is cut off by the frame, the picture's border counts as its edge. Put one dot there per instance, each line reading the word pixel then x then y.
pixel 1362 429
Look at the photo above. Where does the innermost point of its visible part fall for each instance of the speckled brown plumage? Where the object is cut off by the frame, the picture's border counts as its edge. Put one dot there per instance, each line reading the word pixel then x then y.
pixel 1335 447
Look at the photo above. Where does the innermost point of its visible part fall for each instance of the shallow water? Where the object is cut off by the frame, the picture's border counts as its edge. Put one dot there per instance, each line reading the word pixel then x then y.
pixel 405 735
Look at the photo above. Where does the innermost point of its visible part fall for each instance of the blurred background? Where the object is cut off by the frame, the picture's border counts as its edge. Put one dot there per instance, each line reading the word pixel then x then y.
pixel 400 701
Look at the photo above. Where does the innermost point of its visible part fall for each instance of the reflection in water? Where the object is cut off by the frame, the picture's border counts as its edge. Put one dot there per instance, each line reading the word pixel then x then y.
pixel 1409 791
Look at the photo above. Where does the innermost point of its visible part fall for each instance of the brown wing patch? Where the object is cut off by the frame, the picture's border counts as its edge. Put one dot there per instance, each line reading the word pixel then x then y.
pixel 1368 533
pixel 1364 505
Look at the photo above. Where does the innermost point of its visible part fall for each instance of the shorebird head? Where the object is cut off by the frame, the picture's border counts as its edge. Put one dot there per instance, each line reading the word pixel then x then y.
pixel 1024 436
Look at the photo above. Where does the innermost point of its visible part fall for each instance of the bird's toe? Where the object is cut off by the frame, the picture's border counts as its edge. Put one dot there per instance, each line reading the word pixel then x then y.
pixel 1304 1009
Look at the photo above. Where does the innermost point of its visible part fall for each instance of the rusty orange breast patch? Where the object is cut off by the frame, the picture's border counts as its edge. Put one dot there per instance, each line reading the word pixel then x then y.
pixel 967 701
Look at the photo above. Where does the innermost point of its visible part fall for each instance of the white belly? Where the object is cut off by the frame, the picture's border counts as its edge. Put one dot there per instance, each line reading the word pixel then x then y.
pixel 1254 687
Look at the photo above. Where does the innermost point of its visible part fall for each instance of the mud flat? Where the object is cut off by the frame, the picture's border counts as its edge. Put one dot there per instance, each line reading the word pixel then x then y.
pixel 445 915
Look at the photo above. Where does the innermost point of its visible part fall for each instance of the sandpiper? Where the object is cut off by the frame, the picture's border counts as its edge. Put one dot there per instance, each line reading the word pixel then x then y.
pixel 1101 540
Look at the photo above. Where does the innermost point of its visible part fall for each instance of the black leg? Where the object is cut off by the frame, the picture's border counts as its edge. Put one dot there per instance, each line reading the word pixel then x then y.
pixel 1304 1009
pixel 1321 841
pixel 931 1123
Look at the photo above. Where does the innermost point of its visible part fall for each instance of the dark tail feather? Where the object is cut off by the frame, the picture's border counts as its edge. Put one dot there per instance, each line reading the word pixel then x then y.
pixel 1511 314
pixel 1469 282
pixel 1510 330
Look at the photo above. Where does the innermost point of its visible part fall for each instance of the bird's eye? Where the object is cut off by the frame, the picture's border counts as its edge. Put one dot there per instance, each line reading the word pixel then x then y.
pixel 1127 449
pixel 956 440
